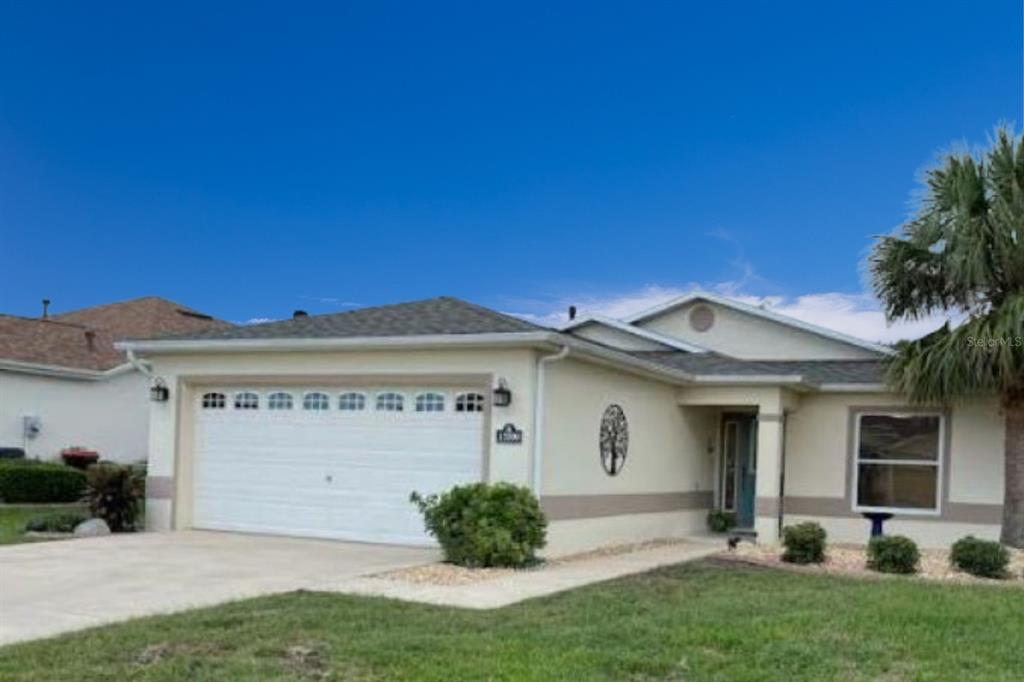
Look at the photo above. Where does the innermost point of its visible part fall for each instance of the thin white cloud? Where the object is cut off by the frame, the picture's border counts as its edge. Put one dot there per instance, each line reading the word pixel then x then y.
pixel 259 320
pixel 854 314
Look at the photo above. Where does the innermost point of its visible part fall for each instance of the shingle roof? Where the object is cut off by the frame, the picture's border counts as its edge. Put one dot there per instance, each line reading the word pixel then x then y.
pixel 84 339
pixel 432 316
pixel 816 371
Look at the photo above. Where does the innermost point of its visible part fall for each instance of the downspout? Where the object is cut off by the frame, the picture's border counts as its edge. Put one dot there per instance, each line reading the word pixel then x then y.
pixel 138 364
pixel 538 417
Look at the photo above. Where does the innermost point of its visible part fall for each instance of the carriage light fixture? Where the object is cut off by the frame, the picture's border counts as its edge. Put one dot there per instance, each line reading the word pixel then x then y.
pixel 502 395
pixel 159 392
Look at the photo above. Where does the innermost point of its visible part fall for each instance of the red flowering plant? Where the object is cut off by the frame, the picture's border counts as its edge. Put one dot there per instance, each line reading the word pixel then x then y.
pixel 79 457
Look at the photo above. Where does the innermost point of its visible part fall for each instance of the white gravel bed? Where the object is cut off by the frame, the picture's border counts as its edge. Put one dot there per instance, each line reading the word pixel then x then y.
pixel 450 574
pixel 852 560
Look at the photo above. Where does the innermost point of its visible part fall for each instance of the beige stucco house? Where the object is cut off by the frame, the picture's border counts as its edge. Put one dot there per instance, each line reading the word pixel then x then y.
pixel 626 429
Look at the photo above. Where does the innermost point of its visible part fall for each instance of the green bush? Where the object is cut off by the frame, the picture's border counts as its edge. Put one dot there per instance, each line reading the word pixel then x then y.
pixel 984 558
pixel 480 525
pixel 893 554
pixel 31 481
pixel 720 521
pixel 804 543
pixel 115 492
pixel 63 522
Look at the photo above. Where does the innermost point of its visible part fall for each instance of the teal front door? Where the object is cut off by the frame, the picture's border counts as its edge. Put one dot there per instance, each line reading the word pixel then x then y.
pixel 739 467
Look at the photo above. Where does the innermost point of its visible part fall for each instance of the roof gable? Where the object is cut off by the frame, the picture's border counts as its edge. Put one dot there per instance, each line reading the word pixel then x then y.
pixel 745 331
pixel 623 336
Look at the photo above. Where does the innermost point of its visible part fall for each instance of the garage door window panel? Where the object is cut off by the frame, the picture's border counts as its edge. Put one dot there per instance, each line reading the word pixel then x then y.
pixel 469 402
pixel 390 402
pixel 280 401
pixel 214 401
pixel 316 402
pixel 430 402
pixel 352 402
pixel 247 401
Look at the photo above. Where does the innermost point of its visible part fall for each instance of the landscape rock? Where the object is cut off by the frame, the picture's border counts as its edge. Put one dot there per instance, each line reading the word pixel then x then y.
pixel 92 528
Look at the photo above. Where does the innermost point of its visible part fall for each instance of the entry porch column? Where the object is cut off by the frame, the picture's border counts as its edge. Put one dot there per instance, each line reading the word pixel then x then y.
pixel 768 486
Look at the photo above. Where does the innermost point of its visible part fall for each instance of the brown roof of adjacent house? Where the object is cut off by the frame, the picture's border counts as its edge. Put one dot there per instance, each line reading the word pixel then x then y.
pixel 84 339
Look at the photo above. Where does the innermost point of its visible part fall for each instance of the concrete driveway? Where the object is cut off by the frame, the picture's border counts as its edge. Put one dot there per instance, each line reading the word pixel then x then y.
pixel 53 587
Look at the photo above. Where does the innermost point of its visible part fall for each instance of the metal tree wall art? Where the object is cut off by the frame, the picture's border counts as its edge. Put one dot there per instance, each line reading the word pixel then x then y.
pixel 614 440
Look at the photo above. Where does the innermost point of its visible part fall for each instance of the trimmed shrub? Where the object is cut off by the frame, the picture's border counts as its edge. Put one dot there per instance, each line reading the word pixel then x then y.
pixel 721 521
pixel 481 525
pixel 893 554
pixel 64 522
pixel 115 492
pixel 31 481
pixel 984 558
pixel 804 543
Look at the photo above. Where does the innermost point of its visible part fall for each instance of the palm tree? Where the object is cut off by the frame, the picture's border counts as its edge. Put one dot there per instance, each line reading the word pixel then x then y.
pixel 963 255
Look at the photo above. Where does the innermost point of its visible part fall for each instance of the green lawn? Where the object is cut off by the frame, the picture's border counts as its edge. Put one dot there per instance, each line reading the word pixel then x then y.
pixel 701 621
pixel 14 518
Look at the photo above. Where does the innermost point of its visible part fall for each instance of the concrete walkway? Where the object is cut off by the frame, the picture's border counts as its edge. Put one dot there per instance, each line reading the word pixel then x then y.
pixel 49 588
pixel 56 587
pixel 497 592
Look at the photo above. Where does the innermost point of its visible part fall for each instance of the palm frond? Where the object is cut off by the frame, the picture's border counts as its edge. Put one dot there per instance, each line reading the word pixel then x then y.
pixel 983 355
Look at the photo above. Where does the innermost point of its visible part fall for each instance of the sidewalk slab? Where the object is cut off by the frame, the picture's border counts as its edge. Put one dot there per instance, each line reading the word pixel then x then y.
pixel 502 591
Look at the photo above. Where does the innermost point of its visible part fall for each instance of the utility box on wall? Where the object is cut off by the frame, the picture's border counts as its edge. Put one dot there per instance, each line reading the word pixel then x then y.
pixel 31 426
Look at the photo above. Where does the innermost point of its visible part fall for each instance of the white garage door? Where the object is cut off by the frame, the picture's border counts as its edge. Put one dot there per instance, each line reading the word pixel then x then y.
pixel 330 462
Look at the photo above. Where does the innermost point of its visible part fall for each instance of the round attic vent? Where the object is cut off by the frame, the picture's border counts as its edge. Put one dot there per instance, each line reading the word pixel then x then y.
pixel 702 318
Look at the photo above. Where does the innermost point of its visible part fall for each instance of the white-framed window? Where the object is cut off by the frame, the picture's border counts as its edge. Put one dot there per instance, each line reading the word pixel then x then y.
pixel 430 402
pixel 280 401
pixel 214 401
pixel 390 402
pixel 469 402
pixel 898 460
pixel 316 401
pixel 352 402
pixel 247 400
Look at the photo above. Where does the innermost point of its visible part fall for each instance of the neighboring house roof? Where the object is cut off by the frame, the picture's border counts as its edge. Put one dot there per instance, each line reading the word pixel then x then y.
pixel 621 326
pixel 763 313
pixel 430 317
pixel 818 372
pixel 84 339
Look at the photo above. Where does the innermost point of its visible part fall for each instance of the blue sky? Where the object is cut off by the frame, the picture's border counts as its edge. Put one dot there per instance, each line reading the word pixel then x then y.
pixel 250 160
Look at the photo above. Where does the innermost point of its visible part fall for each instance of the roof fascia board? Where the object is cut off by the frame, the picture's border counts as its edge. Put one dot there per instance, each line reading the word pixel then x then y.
pixel 581 347
pixel 854 388
pixel 758 312
pixel 635 331
pixel 159 346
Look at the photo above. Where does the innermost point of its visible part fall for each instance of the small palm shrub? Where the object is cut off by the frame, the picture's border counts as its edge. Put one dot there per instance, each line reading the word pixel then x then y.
pixel 720 521
pixel 893 554
pixel 481 525
pixel 64 522
pixel 984 558
pixel 32 481
pixel 115 492
pixel 804 543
